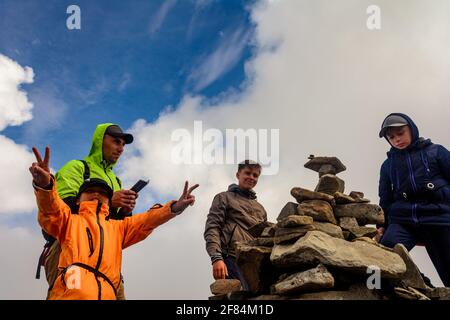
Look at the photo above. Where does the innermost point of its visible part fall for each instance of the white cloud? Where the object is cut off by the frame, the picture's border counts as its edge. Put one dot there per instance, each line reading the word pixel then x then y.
pixel 15 108
pixel 326 82
pixel 220 61
pixel 16 194
pixel 160 15
pixel 19 255
pixel 124 82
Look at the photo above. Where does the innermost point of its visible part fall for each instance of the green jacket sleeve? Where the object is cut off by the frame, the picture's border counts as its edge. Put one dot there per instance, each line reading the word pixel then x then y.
pixel 69 179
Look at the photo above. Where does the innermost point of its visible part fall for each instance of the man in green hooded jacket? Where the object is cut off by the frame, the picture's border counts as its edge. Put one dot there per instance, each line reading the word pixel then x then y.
pixel 108 143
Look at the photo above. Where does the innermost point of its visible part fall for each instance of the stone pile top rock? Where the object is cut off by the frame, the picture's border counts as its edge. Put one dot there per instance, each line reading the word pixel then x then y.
pixel 318 163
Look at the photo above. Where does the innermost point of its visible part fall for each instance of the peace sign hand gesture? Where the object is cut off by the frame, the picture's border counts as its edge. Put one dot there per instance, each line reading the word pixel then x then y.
pixel 185 200
pixel 40 169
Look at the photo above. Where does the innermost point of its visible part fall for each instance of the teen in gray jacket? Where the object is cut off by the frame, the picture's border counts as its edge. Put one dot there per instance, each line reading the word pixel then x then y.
pixel 232 214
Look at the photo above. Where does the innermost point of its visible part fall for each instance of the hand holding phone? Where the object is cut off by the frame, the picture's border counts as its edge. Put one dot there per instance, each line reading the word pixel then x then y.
pixel 138 186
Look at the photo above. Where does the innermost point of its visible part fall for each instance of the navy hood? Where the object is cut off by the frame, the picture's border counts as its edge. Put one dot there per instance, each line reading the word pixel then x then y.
pixel 416 139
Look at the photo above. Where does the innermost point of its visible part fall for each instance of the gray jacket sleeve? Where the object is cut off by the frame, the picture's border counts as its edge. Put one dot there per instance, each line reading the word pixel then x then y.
pixel 214 226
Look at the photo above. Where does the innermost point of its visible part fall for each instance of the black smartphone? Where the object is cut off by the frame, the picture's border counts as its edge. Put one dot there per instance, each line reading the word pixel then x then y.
pixel 138 186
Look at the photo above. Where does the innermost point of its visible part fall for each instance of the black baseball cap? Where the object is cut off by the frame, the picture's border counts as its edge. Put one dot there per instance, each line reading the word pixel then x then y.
pixel 115 131
pixel 392 120
pixel 94 182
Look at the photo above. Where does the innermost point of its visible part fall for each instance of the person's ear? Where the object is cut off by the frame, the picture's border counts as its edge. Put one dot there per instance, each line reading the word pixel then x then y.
pixel 237 175
pixel 77 202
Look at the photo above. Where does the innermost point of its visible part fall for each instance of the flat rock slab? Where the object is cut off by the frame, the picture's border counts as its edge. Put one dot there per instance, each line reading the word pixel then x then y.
pixel 295 221
pixel 359 232
pixel 355 292
pixel 262 242
pixel 319 210
pixel 289 235
pixel 224 286
pixel 318 247
pixel 325 164
pixel 315 279
pixel 329 228
pixel 301 195
pixel 364 213
pixel 342 198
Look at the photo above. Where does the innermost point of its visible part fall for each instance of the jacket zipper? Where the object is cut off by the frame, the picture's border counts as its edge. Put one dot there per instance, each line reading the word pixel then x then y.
pixel 91 242
pixel 104 169
pixel 413 182
pixel 100 254
pixel 411 173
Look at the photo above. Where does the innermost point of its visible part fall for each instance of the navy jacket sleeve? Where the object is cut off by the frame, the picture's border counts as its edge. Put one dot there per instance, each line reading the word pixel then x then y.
pixel 443 158
pixel 385 192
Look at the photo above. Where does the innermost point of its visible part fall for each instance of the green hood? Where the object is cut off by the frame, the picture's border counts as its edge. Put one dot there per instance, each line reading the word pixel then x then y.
pixel 96 153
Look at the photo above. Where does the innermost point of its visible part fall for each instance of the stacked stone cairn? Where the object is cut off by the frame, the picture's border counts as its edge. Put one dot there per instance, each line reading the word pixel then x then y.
pixel 322 248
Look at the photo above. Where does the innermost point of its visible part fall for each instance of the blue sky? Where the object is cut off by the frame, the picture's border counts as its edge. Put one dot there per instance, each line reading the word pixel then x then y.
pixel 129 60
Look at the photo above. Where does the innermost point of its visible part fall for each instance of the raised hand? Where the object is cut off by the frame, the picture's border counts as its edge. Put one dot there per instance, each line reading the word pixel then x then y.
pixel 125 199
pixel 185 200
pixel 40 170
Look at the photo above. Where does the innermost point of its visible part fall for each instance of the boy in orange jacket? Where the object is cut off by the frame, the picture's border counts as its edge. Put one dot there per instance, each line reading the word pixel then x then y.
pixel 91 243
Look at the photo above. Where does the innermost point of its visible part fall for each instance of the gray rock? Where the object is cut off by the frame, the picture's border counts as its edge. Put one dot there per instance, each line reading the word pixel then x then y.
pixel 355 292
pixel 365 213
pixel 442 293
pixel 310 280
pixel 371 241
pixel 330 184
pixel 410 294
pixel 256 267
pixel 262 242
pixel 224 286
pixel 268 232
pixel 341 198
pixel 317 209
pixel 295 221
pixel 348 222
pixel 287 235
pixel 257 229
pixel 356 194
pixel 412 277
pixel 325 165
pixel 289 209
pixel 359 232
pixel 318 247
pixel 301 195
pixel 329 228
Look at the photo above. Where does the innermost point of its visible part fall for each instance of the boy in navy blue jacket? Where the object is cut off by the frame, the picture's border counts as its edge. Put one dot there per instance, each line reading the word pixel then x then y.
pixel 414 192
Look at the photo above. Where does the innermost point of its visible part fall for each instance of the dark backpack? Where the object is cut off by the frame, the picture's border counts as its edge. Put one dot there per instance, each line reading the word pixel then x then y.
pixel 71 202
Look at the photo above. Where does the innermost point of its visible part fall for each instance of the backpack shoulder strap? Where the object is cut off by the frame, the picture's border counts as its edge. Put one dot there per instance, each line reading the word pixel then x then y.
pixel 87 171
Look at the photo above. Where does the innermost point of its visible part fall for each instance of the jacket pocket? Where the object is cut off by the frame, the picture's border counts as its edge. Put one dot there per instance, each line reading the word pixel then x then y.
pixel 91 242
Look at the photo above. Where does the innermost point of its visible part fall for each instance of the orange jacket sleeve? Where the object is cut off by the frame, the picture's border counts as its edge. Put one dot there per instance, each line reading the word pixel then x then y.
pixel 53 214
pixel 139 226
